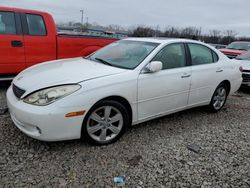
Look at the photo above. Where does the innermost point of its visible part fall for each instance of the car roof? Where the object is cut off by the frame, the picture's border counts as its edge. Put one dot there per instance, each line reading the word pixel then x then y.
pixel 12 9
pixel 160 40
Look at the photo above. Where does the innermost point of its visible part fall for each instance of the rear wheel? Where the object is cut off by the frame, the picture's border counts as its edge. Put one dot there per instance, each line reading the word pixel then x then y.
pixel 105 123
pixel 219 98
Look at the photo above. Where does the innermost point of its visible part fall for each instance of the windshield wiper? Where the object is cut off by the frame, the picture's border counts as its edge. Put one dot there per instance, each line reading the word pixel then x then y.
pixel 107 63
pixel 103 61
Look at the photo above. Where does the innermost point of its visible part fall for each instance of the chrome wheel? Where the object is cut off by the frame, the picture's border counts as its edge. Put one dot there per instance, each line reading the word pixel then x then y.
pixel 104 123
pixel 219 98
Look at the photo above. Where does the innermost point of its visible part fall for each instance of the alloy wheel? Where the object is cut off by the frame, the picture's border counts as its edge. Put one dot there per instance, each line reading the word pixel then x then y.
pixel 219 98
pixel 105 123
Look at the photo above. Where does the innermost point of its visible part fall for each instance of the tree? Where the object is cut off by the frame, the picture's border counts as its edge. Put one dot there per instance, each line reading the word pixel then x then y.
pixel 215 36
pixel 143 31
pixel 230 34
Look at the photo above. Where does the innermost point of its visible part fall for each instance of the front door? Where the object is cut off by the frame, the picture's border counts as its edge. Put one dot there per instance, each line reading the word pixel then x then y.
pixel 12 57
pixel 167 90
pixel 39 38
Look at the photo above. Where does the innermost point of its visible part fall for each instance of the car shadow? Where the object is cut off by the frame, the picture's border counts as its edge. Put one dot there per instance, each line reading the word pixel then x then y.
pixel 245 90
pixel 4 84
pixel 171 117
pixel 42 146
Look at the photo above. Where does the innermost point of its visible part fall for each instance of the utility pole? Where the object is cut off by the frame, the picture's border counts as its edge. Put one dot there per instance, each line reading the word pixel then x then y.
pixel 82 17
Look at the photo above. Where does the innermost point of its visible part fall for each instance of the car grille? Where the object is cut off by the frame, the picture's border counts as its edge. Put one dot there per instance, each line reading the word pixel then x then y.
pixel 246 77
pixel 17 91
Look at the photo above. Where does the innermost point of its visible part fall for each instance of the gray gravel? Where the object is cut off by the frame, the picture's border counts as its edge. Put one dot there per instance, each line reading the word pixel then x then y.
pixel 152 154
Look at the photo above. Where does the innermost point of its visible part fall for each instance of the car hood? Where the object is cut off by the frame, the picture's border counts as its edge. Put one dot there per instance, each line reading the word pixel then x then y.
pixel 245 64
pixel 231 51
pixel 64 71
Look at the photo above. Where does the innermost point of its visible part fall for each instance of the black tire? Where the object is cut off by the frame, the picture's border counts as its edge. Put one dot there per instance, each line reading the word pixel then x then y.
pixel 211 106
pixel 86 136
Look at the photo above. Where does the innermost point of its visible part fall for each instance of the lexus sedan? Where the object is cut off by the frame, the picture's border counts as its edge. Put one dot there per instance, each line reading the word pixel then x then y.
pixel 125 83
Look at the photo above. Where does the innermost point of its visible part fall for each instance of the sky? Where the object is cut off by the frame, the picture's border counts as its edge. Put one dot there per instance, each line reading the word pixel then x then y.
pixel 207 14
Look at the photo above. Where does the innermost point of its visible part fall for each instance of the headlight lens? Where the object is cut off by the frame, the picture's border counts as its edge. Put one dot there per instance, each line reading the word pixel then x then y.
pixel 50 95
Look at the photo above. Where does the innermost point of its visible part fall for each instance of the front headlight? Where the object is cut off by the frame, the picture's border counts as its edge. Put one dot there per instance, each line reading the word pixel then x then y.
pixel 50 95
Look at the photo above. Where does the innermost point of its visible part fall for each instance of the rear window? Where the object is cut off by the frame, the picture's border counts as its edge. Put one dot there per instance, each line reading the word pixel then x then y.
pixel 36 25
pixel 7 23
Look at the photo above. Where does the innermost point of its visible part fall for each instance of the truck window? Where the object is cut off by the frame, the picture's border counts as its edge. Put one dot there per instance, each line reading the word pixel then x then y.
pixel 36 25
pixel 7 23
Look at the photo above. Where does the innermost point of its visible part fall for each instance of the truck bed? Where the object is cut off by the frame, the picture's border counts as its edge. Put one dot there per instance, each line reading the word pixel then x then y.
pixel 71 45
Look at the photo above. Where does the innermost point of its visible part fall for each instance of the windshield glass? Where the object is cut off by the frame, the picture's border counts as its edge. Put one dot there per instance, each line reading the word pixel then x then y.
pixel 244 56
pixel 124 53
pixel 239 46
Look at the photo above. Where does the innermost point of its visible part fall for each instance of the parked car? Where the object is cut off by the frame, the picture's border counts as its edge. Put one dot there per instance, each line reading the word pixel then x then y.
pixel 127 82
pixel 236 48
pixel 218 46
pixel 245 63
pixel 29 37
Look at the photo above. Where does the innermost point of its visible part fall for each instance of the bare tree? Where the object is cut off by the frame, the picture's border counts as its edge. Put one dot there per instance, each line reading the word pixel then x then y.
pixel 230 34
pixel 215 35
pixel 143 31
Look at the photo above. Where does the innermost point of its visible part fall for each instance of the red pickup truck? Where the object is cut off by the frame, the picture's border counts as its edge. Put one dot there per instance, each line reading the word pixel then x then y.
pixel 29 37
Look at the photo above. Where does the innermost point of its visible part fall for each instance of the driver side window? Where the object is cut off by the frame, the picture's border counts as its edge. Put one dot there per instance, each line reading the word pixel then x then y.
pixel 171 56
pixel 7 23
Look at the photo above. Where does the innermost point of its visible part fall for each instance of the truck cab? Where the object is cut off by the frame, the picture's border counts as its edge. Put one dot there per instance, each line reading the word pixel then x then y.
pixel 28 37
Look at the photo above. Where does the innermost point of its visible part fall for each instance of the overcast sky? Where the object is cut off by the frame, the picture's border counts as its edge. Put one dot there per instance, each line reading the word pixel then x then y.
pixel 208 14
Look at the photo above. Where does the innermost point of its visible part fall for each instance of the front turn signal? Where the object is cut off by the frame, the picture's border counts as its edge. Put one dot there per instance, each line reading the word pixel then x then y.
pixel 73 114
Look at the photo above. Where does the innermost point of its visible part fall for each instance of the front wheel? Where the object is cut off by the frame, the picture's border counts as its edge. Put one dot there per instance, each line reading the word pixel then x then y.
pixel 105 123
pixel 219 98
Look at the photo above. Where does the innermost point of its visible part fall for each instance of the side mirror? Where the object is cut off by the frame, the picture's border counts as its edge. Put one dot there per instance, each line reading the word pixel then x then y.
pixel 154 66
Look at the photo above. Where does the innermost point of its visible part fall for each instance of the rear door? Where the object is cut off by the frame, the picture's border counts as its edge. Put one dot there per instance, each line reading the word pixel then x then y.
pixel 207 73
pixel 12 57
pixel 40 41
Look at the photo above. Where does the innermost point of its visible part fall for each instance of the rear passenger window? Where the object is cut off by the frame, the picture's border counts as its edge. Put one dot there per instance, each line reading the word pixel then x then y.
pixel 171 56
pixel 7 23
pixel 201 54
pixel 36 25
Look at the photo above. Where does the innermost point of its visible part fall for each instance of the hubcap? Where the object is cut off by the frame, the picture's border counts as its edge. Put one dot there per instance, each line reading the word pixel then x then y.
pixel 105 123
pixel 219 98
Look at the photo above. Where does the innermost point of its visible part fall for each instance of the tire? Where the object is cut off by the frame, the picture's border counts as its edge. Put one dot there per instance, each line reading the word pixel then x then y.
pixel 105 123
pixel 219 98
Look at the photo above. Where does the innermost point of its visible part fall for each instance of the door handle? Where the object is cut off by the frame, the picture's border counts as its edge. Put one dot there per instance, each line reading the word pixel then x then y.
pixel 185 76
pixel 219 70
pixel 16 43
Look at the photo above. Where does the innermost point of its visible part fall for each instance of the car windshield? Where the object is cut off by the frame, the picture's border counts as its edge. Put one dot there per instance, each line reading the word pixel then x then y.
pixel 244 56
pixel 124 53
pixel 239 46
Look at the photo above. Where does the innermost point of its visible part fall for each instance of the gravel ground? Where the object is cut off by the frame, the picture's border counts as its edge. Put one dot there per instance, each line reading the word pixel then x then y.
pixel 152 154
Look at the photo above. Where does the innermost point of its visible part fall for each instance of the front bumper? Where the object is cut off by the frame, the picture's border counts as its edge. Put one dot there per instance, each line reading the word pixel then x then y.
pixel 46 123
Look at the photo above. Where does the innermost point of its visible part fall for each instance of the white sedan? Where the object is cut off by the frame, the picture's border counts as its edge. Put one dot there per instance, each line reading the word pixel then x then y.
pixel 125 83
